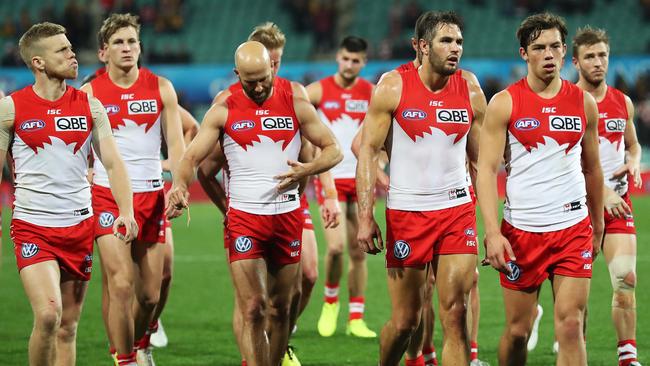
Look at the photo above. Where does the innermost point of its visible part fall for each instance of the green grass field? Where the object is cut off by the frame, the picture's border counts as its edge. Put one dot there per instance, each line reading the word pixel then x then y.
pixel 198 316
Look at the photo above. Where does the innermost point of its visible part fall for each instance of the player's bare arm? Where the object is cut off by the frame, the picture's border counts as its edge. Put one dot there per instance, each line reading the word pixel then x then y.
pixel 491 145
pixel 632 165
pixel 593 172
pixel 7 114
pixel 314 93
pixel 171 123
pixel 479 104
pixel 189 124
pixel 206 174
pixel 107 152
pixel 376 125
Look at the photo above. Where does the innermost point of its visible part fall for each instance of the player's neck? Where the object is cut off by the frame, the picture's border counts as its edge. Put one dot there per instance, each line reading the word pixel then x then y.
pixel 123 78
pixel 544 88
pixel 49 88
pixel 432 80
pixel 416 63
pixel 598 91
pixel 343 82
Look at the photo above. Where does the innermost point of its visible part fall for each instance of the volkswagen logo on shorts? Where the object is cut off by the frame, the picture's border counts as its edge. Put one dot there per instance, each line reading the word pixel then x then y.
pixel 401 250
pixel 516 272
pixel 28 250
pixel 243 244
pixel 106 219
pixel 295 243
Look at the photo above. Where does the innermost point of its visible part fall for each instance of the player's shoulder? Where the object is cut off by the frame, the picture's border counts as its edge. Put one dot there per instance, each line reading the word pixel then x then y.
pixel 390 81
pixel 470 77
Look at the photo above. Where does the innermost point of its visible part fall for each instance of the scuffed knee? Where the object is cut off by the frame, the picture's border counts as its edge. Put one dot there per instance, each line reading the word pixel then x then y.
pixel 48 319
pixel 254 310
pixel 623 276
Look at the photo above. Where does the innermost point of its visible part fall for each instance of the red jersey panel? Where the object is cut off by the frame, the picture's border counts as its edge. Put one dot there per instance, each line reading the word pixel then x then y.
pixel 545 187
pixel 428 149
pixel 343 110
pixel 257 142
pixel 50 152
pixel 612 120
pixel 278 82
pixel 134 113
pixel 406 67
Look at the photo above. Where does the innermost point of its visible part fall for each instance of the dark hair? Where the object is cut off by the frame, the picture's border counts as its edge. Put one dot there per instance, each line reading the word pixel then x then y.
pixel 427 24
pixel 588 36
pixel 354 44
pixel 532 27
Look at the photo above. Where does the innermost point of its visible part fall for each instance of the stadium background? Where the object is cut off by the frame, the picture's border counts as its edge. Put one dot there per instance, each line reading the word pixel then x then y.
pixel 191 42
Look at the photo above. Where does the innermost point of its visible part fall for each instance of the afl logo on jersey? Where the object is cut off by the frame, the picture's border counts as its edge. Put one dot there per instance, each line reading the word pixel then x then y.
pixel 615 125
pixel 277 123
pixel 414 114
pixel 565 123
pixel 526 124
pixel 243 244
pixel 331 104
pixel 28 250
pixel 242 125
pixel 452 116
pixel 32 125
pixel 106 219
pixel 149 106
pixel 401 250
pixel 71 124
pixel 112 109
pixel 515 272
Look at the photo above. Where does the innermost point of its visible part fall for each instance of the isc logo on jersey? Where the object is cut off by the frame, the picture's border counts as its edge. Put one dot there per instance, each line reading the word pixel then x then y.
pixel 149 106
pixel 277 123
pixel 356 106
pixel 615 125
pixel 71 123
pixel 565 123
pixel 452 116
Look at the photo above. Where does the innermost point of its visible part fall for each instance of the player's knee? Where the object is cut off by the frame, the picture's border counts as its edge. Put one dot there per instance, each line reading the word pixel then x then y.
pixel 309 277
pixel 406 323
pixel 453 315
pixel 569 327
pixel 279 309
pixel 518 333
pixel 335 250
pixel 622 273
pixel 120 290
pixel 48 319
pixel 149 299
pixel 67 332
pixel 254 309
pixel 357 256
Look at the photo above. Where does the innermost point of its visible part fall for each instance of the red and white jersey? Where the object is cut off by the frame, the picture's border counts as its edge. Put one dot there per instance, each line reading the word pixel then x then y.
pixel 257 142
pixel 406 67
pixel 134 113
pixel 428 145
pixel 612 118
pixel 545 186
pixel 343 110
pixel 278 82
pixel 52 142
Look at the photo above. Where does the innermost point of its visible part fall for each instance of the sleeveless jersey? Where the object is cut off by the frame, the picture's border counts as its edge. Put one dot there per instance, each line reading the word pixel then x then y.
pixel 278 83
pixel 257 142
pixel 343 110
pixel 406 67
pixel 427 153
pixel 134 113
pixel 612 118
pixel 545 187
pixel 52 142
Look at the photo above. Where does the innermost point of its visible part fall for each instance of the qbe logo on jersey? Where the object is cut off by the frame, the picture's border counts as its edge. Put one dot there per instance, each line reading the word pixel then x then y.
pixel 71 124
pixel 243 244
pixel 401 250
pixel 452 116
pixel 148 106
pixel 277 124
pixel 615 125
pixel 565 123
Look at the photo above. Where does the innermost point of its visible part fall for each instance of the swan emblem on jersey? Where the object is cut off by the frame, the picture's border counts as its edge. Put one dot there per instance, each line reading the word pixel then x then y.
pixel 612 129
pixel 247 133
pixel 401 250
pixel 416 122
pixel 37 134
pixel 562 130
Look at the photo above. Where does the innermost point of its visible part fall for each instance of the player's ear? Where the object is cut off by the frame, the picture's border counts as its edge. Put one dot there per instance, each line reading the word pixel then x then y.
pixel 235 71
pixel 523 54
pixel 424 46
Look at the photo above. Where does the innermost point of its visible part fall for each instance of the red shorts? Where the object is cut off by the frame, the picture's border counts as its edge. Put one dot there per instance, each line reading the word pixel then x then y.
pixel 346 188
pixel 414 237
pixel 71 247
pixel 149 211
pixel 274 237
pixel 566 252
pixel 304 206
pixel 625 225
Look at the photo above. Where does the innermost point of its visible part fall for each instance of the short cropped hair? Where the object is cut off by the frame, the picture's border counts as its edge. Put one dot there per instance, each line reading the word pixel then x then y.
pixel 354 44
pixel 27 45
pixel 427 24
pixel 588 36
pixel 532 27
pixel 114 23
pixel 268 34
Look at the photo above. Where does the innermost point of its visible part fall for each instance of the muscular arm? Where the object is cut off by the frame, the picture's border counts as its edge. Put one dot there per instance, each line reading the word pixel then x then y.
pixel 632 146
pixel 477 99
pixel 314 93
pixel 7 114
pixel 207 176
pixel 172 127
pixel 189 124
pixel 592 171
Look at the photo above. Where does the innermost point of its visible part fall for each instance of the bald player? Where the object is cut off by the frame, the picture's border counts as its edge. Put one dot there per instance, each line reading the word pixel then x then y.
pixel 260 129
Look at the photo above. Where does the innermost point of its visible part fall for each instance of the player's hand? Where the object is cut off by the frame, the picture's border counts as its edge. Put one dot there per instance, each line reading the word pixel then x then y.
pixel 369 236
pixel 383 180
pixel 598 235
pixel 130 226
pixel 496 246
pixel 177 201
pixel 615 205
pixel 632 169
pixel 292 177
pixel 330 211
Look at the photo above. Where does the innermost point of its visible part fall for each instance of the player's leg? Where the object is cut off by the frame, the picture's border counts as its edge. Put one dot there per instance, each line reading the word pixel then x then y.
pixel 620 253
pixel 158 337
pixel 406 290
pixel 571 296
pixel 105 305
pixel 519 310
pixel 281 284
pixel 148 261
pixel 454 280
pixel 73 292
pixel 42 286
pixel 335 239
pixel 473 317
pixel 309 260
pixel 428 322
pixel 414 354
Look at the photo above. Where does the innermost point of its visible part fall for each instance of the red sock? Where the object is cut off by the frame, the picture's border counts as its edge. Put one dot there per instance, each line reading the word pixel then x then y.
pixel 416 362
pixel 331 293
pixel 626 352
pixel 112 350
pixel 142 343
pixel 127 359
pixel 429 354
pixel 153 327
pixel 473 350
pixel 356 307
pixel 243 362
